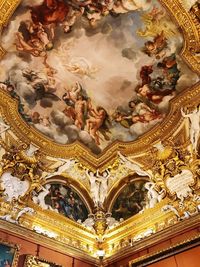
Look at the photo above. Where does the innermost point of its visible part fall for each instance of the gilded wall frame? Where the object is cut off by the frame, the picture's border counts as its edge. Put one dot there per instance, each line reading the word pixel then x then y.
pixel 9 254
pixel 33 261
pixel 165 253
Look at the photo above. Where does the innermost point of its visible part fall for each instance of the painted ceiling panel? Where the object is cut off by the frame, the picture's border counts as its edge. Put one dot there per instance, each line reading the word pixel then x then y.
pixel 93 71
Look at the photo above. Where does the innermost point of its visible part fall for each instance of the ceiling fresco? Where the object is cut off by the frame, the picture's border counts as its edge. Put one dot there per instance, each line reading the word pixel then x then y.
pixel 93 71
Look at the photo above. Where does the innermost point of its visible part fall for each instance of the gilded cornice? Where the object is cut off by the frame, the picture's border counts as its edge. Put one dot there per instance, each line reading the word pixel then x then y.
pixel 27 133
pixel 165 234
pixel 48 242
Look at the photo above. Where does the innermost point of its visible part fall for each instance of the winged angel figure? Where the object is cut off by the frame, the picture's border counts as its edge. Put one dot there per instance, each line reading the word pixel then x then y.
pixel 134 166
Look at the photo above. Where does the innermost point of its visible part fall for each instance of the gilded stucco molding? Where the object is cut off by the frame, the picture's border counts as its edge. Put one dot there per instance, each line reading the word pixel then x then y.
pixel 165 253
pixel 191 30
pixel 48 242
pixel 27 133
pixel 163 235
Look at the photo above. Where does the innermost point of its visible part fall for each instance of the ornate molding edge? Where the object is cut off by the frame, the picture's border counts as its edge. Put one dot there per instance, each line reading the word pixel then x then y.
pixel 9 111
pixel 7 8
pixel 191 31
pixel 165 253
pixel 53 244
pixel 152 240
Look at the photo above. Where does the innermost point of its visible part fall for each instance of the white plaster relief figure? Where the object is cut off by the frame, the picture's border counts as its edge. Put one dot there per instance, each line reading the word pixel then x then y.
pixel 142 235
pixel 8 217
pixel 154 197
pixel 65 166
pixel 89 222
pixel 94 186
pixel 186 214
pixel 103 186
pixel 168 208
pixel 31 150
pixel 111 222
pixel 133 166
pixel 13 186
pixel 40 199
pixel 3 127
pixel 194 118
pixel 43 231
pixel 98 185
pixel 25 210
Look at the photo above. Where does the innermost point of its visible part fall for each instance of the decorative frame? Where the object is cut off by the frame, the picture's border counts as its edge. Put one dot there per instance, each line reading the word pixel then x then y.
pixel 165 253
pixel 33 261
pixel 11 252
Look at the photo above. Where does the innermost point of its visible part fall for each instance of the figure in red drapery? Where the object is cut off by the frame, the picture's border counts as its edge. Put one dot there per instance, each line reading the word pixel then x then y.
pixel 51 11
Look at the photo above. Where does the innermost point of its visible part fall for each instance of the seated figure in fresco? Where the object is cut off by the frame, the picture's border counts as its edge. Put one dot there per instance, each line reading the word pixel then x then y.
pixel 59 203
pixel 170 70
pixel 66 202
pixel 143 113
pixel 33 38
pixel 139 112
pixel 157 46
pixel 50 13
pixel 122 118
pixel 155 96
pixel 145 74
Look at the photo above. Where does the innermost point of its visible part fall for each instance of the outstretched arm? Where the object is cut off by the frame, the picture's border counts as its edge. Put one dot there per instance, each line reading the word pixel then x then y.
pixel 121 156
pixel 184 114
pixel 97 174
pixel 87 173
pixel 108 174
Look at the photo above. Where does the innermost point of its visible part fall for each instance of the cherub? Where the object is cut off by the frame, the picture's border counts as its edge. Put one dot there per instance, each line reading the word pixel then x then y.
pixel 157 46
pixel 156 14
